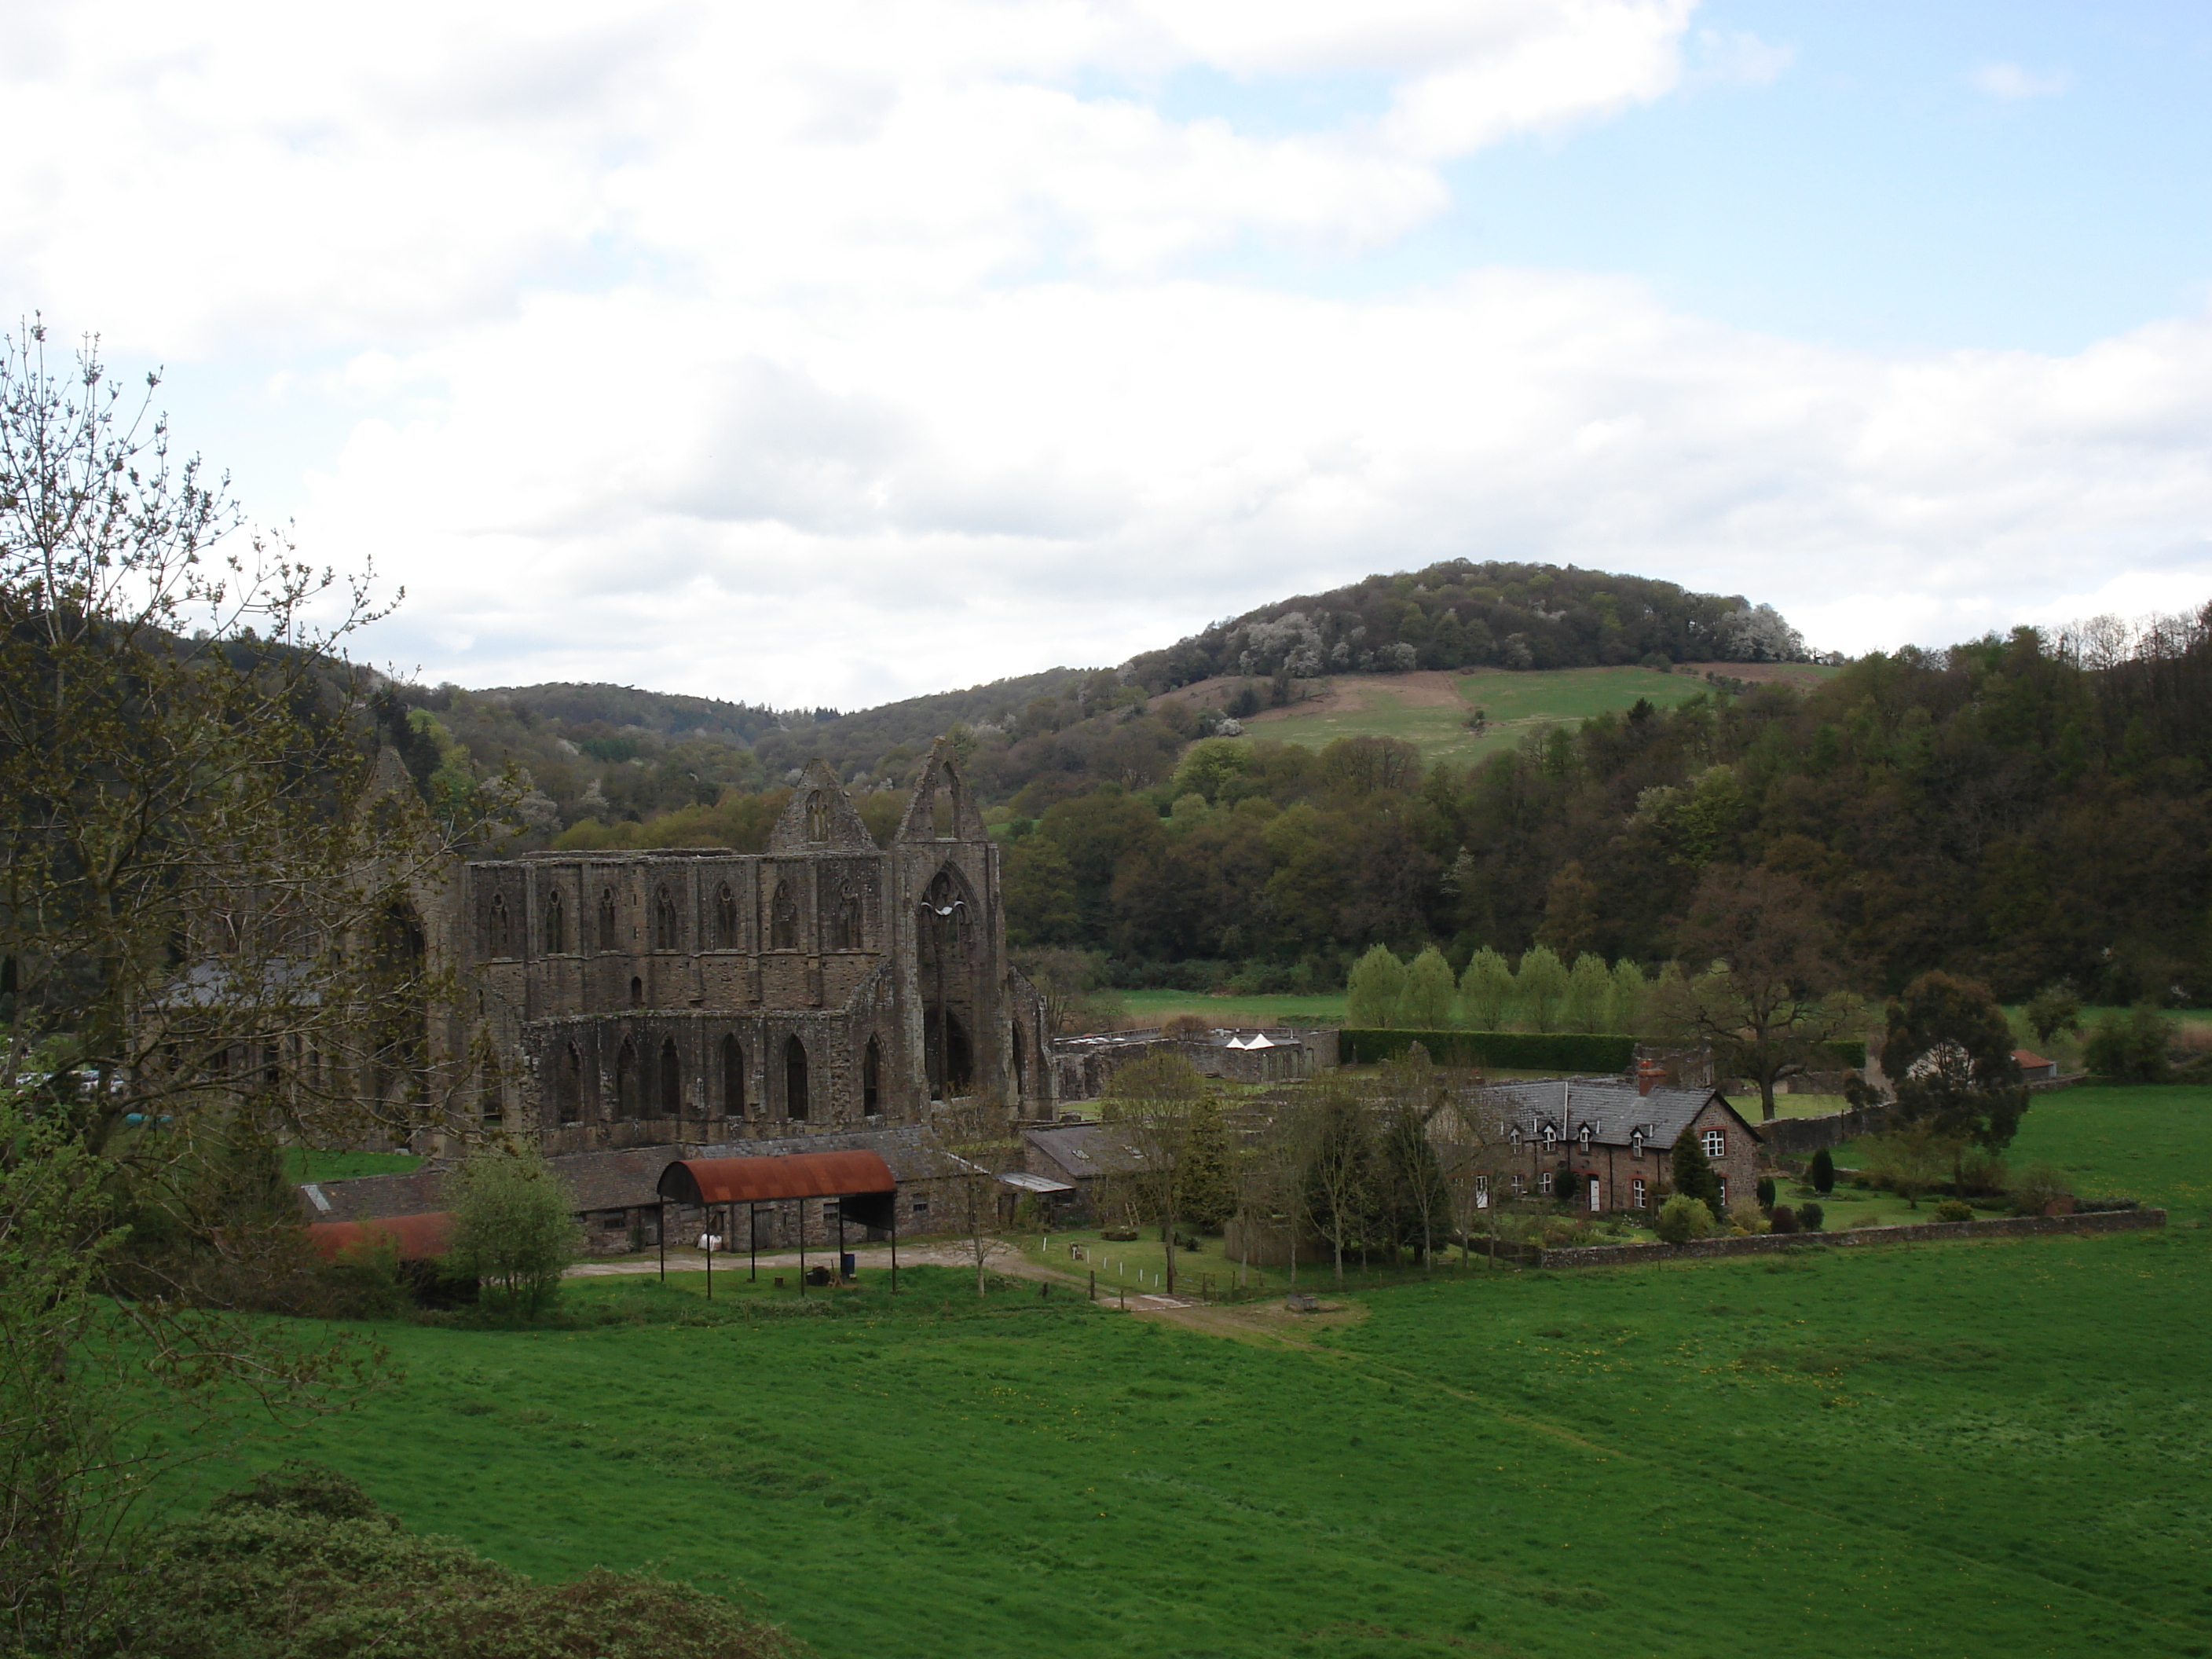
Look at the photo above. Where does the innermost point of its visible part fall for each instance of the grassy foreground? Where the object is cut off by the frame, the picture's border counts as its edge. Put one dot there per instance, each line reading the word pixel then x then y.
pixel 1985 1449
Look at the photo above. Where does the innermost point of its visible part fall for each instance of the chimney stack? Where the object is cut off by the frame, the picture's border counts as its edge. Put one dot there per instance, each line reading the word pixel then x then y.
pixel 1648 1071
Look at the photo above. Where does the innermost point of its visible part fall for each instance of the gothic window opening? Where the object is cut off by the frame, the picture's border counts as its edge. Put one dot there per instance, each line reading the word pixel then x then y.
pixel 783 919
pixel 626 1104
pixel 726 918
pixel 569 1085
pixel 1021 1070
pixel 671 1080
pixel 871 1071
pixel 733 1078
pixel 609 938
pixel 794 1078
pixel 489 1108
pixel 818 817
pixel 496 925
pixel 951 1064
pixel 666 930
pixel 636 992
pixel 556 929
pixel 845 913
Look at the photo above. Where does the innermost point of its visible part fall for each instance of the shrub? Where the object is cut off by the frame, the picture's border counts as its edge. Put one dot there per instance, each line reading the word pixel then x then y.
pixel 2037 1188
pixel 1822 1174
pixel 1186 1025
pixel 1765 1192
pixel 1952 1209
pixel 515 1228
pixel 1810 1218
pixel 1749 1218
pixel 1784 1219
pixel 1682 1218
pixel 2131 1049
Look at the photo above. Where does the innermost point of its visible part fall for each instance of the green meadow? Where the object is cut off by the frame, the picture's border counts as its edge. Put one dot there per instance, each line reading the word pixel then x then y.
pixel 1994 1448
pixel 1514 705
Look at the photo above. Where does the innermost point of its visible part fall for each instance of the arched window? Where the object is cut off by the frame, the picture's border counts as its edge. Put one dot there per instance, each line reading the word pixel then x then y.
pixel 794 1078
pixel 818 817
pixel 665 929
pixel 733 1078
pixel 1021 1069
pixel 871 1071
pixel 626 1090
pixel 845 913
pixel 608 938
pixel 569 1085
pixel 726 918
pixel 671 1080
pixel 556 930
pixel 783 919
pixel 636 992
pixel 496 928
pixel 490 1106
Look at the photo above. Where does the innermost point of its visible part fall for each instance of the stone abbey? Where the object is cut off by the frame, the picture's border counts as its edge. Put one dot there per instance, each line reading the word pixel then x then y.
pixel 700 995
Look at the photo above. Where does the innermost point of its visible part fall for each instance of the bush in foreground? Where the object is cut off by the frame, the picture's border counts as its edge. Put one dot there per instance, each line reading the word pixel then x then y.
pixel 1682 1218
pixel 301 1564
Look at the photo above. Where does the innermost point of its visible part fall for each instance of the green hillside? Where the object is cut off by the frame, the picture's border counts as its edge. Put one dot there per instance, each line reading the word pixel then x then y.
pixel 1432 710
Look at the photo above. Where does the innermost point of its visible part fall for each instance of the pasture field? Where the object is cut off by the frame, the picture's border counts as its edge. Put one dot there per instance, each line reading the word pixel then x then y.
pixel 1152 1007
pixel 1992 1448
pixel 305 1164
pixel 1430 710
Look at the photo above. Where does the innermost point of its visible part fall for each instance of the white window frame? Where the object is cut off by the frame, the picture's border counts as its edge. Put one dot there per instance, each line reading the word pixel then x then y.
pixel 1544 1182
pixel 1597 1197
pixel 1715 1143
pixel 1638 1196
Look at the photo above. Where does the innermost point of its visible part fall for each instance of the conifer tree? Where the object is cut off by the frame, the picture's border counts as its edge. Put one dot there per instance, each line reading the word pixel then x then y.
pixel 1692 1174
pixel 1823 1172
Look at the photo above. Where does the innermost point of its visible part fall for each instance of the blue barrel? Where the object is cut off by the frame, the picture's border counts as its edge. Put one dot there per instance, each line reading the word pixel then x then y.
pixel 845 1264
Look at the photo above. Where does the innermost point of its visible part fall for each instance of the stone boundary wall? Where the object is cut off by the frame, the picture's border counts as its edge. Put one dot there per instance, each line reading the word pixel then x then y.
pixel 1801 1137
pixel 2019 1226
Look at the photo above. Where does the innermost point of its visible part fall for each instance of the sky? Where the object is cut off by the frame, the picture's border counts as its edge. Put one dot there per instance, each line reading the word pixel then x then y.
pixel 836 353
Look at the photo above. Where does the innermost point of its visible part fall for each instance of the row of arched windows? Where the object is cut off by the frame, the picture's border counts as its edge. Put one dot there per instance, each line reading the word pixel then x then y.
pixel 633 1090
pixel 845 922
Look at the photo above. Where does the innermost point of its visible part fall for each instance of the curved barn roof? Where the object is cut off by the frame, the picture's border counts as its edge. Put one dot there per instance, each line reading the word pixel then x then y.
pixel 799 1175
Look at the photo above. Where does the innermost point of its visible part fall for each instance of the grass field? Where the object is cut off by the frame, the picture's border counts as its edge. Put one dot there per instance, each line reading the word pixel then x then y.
pixel 1986 1449
pixel 304 1164
pixel 1154 1006
pixel 1515 704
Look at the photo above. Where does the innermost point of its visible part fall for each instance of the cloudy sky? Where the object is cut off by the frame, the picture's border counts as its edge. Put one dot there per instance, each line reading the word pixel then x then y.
pixel 835 352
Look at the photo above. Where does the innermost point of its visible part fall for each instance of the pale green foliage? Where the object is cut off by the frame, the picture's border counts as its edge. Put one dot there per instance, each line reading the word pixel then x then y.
pixel 1542 986
pixel 1189 812
pixel 1372 992
pixel 1589 988
pixel 1210 763
pixel 1486 991
pixel 515 1227
pixel 1426 1003
pixel 1682 1218
pixel 1625 1001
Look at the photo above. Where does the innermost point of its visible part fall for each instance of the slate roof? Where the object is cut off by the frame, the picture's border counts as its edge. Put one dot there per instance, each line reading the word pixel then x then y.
pixel 1086 1150
pixel 1612 1109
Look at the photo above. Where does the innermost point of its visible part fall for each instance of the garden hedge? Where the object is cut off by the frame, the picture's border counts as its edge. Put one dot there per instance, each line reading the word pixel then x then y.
pixel 1525 1051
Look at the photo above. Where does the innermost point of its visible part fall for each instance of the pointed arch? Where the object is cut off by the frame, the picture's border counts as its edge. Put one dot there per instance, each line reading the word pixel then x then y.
pixel 847 915
pixel 667 927
pixel 568 1085
pixel 609 933
pixel 498 936
pixel 1021 1059
pixel 817 817
pixel 872 1079
pixel 794 1078
pixel 725 917
pixel 783 919
pixel 555 924
pixel 671 1080
pixel 626 1104
pixel 733 1078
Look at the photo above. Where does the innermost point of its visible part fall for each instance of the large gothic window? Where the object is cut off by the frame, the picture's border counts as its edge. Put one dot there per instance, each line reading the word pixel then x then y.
pixel 794 1078
pixel 733 1078
pixel 818 817
pixel 608 939
pixel 568 1085
pixel 726 918
pixel 665 929
pixel 626 1080
pixel 671 1080
pixel 496 926
pixel 846 913
pixel 872 1078
pixel 557 932
pixel 783 919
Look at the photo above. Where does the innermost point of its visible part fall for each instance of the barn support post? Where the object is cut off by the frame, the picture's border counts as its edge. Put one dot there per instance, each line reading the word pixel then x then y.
pixel 660 1237
pixel 894 1240
pixel 841 1239
pixel 802 1247
pixel 752 1241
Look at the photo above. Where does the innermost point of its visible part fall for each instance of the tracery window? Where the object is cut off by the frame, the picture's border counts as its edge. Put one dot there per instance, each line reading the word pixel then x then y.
pixel 818 817
pixel 726 918
pixel 608 939
pixel 845 917
pixel 496 925
pixel 556 932
pixel 671 1080
pixel 783 919
pixel 666 929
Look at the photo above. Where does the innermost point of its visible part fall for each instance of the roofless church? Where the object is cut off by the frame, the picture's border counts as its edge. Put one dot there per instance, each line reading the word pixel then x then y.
pixel 701 996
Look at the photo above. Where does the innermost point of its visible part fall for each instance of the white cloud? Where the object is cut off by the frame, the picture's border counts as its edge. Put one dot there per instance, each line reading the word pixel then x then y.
pixel 832 353
pixel 2010 80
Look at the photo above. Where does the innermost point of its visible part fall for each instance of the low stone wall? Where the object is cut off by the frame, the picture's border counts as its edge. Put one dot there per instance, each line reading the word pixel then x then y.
pixel 2019 1226
pixel 1801 1137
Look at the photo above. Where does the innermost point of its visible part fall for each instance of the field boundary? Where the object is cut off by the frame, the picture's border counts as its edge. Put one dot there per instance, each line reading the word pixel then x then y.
pixel 2012 1226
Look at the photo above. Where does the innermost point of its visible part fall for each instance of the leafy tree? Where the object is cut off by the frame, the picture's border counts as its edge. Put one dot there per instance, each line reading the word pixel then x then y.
pixel 1209 1179
pixel 1682 1218
pixel 1765 1192
pixel 1424 1002
pixel 1571 911
pixel 1485 990
pixel 1375 989
pixel 1822 1172
pixel 1765 991
pixel 1810 1216
pixel 1540 985
pixel 514 1226
pixel 1589 987
pixel 1691 1174
pixel 1037 885
pixel 2053 1009
pixel 1949 1056
pixel 1336 1136
pixel 2130 1048
pixel 1625 1005
pixel 1069 981
pixel 1160 1106
pixel 1414 1197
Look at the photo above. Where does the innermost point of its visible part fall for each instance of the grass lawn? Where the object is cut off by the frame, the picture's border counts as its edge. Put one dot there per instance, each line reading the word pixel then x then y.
pixel 1966 1449
pixel 1139 1267
pixel 305 1164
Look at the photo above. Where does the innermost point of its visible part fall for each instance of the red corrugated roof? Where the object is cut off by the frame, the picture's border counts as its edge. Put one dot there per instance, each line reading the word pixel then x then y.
pixel 2028 1060
pixel 420 1236
pixel 756 1180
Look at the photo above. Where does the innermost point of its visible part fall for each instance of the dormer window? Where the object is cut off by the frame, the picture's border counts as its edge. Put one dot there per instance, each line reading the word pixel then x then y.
pixel 1516 1136
pixel 1636 1142
pixel 1551 1138
pixel 1584 1136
